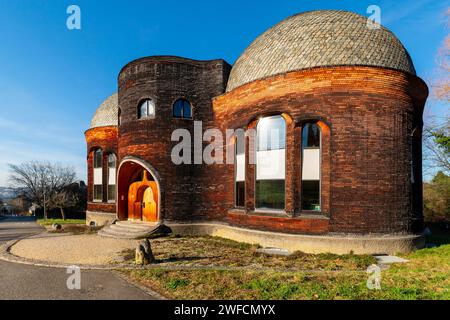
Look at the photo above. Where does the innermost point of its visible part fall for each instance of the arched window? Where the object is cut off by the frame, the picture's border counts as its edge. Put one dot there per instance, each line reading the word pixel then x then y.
pixel 271 163
pixel 112 177
pixel 146 109
pixel 239 149
pixel 182 109
pixel 311 166
pixel 98 176
pixel 119 116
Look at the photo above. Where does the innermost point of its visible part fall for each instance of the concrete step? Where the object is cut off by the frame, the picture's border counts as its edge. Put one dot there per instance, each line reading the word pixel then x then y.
pixel 107 234
pixel 130 230
pixel 136 225
pixel 121 234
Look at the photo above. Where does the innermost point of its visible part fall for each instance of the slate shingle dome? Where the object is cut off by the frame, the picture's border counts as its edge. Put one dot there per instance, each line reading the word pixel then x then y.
pixel 107 114
pixel 318 39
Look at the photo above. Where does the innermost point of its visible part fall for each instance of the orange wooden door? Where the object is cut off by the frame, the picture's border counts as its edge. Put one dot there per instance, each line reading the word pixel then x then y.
pixel 137 214
pixel 149 213
pixel 132 194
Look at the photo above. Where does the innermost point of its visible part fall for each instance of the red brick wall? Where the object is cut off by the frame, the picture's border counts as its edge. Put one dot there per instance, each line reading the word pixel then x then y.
pixel 371 113
pixel 166 79
pixel 104 138
pixel 367 116
pixel 279 224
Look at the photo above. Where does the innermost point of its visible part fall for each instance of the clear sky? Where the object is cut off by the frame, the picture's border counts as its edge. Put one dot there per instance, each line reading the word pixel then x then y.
pixel 52 79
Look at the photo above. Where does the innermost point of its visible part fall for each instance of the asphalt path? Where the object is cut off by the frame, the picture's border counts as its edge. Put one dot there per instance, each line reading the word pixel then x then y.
pixel 25 282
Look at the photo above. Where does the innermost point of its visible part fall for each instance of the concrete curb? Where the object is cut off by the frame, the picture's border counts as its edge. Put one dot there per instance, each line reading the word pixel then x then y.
pixel 7 256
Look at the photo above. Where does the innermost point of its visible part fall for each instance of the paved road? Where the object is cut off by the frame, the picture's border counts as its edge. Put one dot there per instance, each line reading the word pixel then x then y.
pixel 19 282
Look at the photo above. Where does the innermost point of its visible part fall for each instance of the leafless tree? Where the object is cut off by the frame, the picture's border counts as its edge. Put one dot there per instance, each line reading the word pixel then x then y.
pixel 436 132
pixel 436 155
pixel 441 83
pixel 40 181
pixel 63 199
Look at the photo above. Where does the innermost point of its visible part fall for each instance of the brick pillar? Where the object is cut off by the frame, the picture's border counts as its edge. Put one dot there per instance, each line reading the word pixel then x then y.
pixel 325 167
pixel 250 170
pixel 290 166
pixel 90 175
pixel 297 168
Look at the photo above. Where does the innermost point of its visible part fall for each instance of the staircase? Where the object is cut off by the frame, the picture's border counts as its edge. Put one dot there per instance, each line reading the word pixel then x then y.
pixel 133 230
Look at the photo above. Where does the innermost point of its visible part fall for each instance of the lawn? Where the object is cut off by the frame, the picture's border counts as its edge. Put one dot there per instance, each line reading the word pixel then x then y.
pixel 50 222
pixel 214 268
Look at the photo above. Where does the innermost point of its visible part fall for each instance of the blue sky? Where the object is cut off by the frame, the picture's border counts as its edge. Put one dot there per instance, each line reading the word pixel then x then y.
pixel 52 79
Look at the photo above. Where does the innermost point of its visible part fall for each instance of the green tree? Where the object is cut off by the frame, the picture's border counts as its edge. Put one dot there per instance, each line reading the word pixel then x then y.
pixel 437 198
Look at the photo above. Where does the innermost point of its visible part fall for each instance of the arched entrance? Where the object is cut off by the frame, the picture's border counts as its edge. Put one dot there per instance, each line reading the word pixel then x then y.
pixel 138 193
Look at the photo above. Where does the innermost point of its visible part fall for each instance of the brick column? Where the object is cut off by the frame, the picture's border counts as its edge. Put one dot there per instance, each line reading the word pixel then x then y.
pixel 325 167
pixel 290 166
pixel 90 176
pixel 297 169
pixel 250 170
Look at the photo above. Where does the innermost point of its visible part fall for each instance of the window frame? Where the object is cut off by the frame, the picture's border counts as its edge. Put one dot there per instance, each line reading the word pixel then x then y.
pixel 257 149
pixel 95 166
pixel 315 122
pixel 115 179
pixel 139 109
pixel 236 206
pixel 182 117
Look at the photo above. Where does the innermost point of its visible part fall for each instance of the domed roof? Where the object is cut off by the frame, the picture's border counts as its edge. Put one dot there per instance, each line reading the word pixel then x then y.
pixel 107 114
pixel 317 39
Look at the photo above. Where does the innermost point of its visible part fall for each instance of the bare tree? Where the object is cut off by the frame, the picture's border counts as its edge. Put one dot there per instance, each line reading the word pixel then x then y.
pixel 436 143
pixel 436 134
pixel 63 199
pixel 441 83
pixel 39 181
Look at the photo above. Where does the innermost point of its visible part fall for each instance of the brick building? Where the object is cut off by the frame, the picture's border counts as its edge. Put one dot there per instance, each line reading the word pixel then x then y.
pixel 336 108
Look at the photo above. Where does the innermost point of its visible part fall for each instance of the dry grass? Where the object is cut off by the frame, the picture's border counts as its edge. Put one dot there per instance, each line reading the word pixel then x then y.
pixel 218 252
pixel 300 276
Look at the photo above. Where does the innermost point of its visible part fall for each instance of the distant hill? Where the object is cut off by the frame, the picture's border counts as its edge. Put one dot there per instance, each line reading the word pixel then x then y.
pixel 7 193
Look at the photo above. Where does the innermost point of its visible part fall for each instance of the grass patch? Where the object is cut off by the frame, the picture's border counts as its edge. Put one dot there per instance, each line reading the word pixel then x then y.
pixel 50 222
pixel 299 276
pixel 206 251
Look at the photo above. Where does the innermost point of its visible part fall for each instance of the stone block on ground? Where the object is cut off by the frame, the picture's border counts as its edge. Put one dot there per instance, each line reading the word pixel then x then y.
pixel 144 253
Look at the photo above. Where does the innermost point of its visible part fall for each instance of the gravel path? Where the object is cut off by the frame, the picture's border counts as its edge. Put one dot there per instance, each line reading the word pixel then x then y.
pixel 73 249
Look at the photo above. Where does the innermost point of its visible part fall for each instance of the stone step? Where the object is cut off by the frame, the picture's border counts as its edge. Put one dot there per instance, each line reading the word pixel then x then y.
pixel 136 225
pixel 120 234
pixel 129 228
pixel 107 234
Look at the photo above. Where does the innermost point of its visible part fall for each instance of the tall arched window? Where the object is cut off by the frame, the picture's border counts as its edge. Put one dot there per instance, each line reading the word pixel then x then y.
pixel 112 177
pixel 119 116
pixel 239 178
pixel 182 109
pixel 311 167
pixel 98 176
pixel 271 163
pixel 146 109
